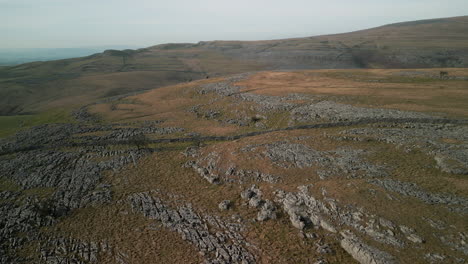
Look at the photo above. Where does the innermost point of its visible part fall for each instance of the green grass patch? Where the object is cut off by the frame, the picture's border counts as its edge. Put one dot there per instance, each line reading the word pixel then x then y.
pixel 278 120
pixel 40 192
pixel 8 185
pixel 9 125
pixel 366 76
pixel 171 146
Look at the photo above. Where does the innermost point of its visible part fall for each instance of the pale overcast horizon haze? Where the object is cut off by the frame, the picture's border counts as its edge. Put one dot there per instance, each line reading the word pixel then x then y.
pixel 142 23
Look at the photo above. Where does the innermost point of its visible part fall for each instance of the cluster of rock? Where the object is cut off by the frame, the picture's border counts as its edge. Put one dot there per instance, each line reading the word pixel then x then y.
pixel 52 135
pixel 253 196
pixel 60 135
pixel 336 112
pixel 305 212
pixel 82 115
pixel 64 180
pixel 339 162
pixel 224 246
pixel 453 161
pixel 128 133
pixel 69 250
pixel 263 104
pixel 74 181
pixel 20 216
pixel 343 161
pixel 310 109
pixel 456 241
pixel 347 223
pixel 225 205
pixel 234 174
pixel 209 167
pixel 455 203
pixel 74 176
pixel 242 119
pixel 220 88
pixel 450 157
pixel 208 172
pixel 362 252
pixel 268 104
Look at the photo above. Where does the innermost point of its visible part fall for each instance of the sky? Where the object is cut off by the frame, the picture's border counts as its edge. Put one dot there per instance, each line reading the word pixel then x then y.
pixel 142 23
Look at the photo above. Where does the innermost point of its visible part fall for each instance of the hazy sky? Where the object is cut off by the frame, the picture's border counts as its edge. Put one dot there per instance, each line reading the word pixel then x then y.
pixel 84 23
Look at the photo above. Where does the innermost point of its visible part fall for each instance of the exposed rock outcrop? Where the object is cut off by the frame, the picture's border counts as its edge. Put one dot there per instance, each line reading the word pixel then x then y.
pixel 363 253
pixel 226 246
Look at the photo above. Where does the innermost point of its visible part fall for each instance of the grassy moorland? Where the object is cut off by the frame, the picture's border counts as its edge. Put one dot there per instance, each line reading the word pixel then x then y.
pixel 39 86
pixel 162 164
pixel 418 91
pixel 12 124
pixel 396 185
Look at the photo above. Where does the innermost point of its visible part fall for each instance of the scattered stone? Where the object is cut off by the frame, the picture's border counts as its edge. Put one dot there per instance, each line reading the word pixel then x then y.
pixel 435 258
pixel 321 261
pixel 459 204
pixel 267 211
pixel 252 192
pixel 297 221
pixel 64 180
pixel 450 157
pixel 69 250
pixel 311 235
pixel 415 238
pixel 324 249
pixel 457 241
pixel 332 111
pixel 194 228
pixel 225 205
pixel 340 162
pixel 255 202
pixel 362 252
pixel 454 162
pixel 387 223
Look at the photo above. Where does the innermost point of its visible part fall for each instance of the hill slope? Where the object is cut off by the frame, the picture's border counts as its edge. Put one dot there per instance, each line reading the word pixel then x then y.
pixel 70 83
pixel 418 44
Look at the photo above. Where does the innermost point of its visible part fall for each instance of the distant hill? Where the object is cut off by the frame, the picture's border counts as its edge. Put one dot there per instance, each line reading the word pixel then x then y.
pixel 10 57
pixel 72 82
pixel 417 44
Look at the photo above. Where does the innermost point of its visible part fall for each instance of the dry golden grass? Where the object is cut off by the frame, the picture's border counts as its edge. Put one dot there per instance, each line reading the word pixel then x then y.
pixel 357 87
pixel 164 172
pixel 170 103
pixel 144 241
pixel 404 166
pixel 279 242
pixel 361 87
pixel 276 240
